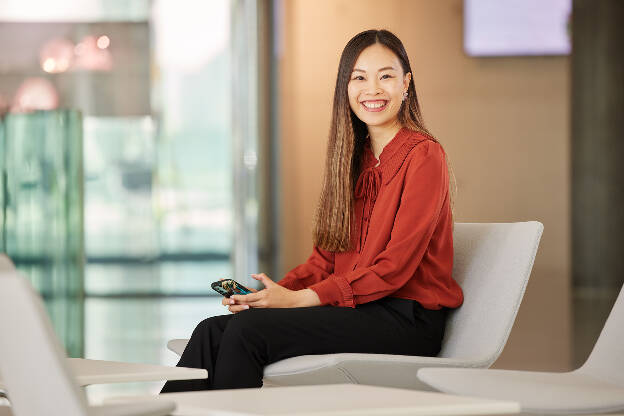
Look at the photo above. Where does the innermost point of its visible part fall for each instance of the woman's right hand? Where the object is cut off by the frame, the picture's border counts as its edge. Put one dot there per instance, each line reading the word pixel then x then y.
pixel 232 307
pixel 230 303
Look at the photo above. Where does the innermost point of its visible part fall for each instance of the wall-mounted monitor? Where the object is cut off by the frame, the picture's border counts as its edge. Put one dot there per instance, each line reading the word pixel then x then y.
pixel 517 27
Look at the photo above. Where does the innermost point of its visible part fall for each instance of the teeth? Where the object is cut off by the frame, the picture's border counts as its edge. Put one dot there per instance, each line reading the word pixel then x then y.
pixel 374 105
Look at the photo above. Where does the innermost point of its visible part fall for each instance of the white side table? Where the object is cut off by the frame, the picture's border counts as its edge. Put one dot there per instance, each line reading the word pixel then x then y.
pixel 102 372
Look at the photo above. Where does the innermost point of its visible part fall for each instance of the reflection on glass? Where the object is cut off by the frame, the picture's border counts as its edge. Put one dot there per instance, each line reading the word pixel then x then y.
pixel 43 212
pixel 119 165
pixel 176 278
pixel 111 335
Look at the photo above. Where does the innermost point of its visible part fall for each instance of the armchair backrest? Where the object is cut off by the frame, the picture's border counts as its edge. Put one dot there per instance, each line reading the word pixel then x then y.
pixel 6 265
pixel 32 362
pixel 606 360
pixel 492 263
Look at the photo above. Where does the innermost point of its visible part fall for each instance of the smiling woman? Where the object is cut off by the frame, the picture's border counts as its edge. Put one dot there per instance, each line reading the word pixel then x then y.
pixel 374 71
pixel 378 89
pixel 379 277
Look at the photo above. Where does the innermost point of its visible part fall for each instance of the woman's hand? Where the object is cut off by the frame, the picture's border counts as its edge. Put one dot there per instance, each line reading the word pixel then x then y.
pixel 230 304
pixel 272 296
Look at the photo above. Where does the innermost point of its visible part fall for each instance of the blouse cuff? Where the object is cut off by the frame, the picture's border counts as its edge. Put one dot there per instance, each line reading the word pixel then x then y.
pixel 335 291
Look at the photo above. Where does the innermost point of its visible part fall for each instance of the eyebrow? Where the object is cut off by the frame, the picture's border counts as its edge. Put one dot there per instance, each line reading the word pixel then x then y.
pixel 381 69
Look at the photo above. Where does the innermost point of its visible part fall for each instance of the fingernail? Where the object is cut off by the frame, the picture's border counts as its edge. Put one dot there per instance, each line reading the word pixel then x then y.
pixel 246 307
pixel 232 302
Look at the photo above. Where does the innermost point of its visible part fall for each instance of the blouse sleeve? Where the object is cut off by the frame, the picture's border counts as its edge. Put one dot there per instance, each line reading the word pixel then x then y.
pixel 424 192
pixel 317 267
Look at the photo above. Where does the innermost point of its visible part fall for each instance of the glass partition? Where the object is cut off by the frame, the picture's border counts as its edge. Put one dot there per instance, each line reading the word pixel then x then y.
pixel 42 229
pixel 176 151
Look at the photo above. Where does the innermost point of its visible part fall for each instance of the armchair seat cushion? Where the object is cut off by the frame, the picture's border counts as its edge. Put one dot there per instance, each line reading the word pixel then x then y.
pixel 540 392
pixel 371 369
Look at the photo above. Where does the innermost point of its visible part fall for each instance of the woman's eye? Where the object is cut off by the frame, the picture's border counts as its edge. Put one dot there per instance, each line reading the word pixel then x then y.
pixel 386 76
pixel 358 77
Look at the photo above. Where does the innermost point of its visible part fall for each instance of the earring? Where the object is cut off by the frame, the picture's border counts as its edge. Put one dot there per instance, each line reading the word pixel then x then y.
pixel 405 96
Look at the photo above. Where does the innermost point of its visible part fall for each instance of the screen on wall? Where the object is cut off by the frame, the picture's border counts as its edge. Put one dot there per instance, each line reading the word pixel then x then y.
pixel 517 27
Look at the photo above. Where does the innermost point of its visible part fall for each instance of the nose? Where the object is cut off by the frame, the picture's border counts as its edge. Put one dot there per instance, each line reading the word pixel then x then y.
pixel 372 86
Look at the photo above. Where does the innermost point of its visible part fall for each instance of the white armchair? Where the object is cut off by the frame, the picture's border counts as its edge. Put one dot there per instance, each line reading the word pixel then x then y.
pixel 596 387
pixel 33 365
pixel 492 263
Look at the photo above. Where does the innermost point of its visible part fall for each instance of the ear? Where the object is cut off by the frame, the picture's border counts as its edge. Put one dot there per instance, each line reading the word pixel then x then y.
pixel 406 80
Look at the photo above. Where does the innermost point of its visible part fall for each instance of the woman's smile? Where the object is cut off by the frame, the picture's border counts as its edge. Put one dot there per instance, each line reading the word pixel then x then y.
pixel 374 105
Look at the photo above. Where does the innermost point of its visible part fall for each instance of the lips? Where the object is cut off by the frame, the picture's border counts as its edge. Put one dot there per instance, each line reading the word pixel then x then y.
pixel 374 105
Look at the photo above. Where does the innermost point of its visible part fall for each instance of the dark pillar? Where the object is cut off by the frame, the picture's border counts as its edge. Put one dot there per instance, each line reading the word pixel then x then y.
pixel 597 165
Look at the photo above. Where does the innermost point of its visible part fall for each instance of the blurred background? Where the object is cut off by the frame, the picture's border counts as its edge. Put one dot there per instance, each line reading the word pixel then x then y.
pixel 149 148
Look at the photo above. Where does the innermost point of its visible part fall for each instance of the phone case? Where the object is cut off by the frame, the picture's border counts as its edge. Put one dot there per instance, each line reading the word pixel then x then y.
pixel 229 287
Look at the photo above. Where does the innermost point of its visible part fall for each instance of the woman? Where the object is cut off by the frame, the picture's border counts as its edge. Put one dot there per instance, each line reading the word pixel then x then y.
pixel 379 277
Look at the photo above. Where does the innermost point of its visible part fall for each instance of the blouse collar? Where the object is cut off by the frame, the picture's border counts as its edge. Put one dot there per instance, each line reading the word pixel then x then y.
pixel 393 154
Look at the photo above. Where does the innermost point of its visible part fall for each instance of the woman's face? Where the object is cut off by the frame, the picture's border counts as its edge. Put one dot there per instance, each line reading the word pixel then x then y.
pixel 377 85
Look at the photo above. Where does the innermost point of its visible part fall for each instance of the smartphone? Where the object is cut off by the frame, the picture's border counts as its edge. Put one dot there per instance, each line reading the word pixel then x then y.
pixel 229 287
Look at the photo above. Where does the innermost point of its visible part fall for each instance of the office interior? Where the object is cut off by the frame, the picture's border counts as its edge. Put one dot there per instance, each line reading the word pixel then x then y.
pixel 193 136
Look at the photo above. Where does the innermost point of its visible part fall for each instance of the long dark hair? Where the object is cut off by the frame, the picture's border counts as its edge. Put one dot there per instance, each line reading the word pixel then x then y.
pixel 333 221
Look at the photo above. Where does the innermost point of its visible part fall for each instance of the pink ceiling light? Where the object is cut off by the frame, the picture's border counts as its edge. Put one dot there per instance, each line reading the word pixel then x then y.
pixel 35 94
pixel 56 55
pixel 93 54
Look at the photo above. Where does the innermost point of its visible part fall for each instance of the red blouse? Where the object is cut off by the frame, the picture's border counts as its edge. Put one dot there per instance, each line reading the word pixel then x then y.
pixel 404 239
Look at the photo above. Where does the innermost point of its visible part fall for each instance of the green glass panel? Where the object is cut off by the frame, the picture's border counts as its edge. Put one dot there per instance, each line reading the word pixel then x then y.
pixel 43 212
pixel 2 188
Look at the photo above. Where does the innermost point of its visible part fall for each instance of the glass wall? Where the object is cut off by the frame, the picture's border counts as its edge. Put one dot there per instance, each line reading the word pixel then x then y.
pixel 173 138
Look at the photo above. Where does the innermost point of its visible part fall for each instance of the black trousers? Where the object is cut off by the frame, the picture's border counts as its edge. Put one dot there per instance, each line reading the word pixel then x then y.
pixel 235 348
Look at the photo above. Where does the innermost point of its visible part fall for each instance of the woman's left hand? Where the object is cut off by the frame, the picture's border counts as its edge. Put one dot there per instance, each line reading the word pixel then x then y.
pixel 276 296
